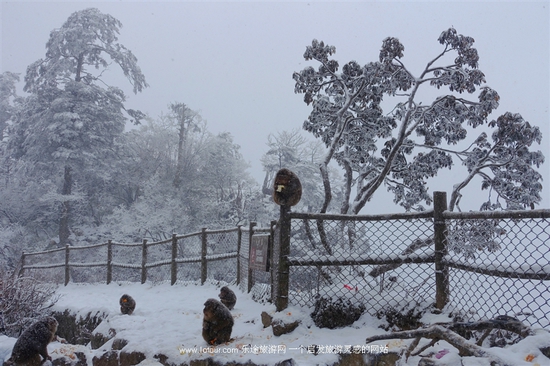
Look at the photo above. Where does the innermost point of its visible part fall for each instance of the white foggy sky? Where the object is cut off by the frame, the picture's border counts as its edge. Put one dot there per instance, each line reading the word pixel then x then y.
pixel 233 61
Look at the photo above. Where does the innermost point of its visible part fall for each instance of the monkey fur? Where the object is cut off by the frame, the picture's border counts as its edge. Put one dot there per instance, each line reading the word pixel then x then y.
pixel 217 323
pixel 33 343
pixel 127 304
pixel 227 297
pixel 287 188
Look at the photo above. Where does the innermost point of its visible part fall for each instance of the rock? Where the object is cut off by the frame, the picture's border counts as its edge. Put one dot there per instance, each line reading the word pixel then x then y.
pixel 98 339
pixel 280 328
pixel 78 360
pixel 77 331
pixel 352 359
pixel 130 359
pixel 161 358
pixel 382 359
pixel 336 313
pixel 266 319
pixel 107 359
pixel 119 344
pixel 289 362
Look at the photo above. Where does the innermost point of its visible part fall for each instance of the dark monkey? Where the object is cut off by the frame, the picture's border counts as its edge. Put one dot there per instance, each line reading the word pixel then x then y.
pixel 127 304
pixel 287 188
pixel 217 323
pixel 227 297
pixel 33 343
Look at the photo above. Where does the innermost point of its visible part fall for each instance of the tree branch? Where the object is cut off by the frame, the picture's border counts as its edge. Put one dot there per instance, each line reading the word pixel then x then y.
pixel 465 348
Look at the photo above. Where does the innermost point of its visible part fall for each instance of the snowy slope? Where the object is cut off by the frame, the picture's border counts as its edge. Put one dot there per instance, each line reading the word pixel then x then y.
pixel 168 320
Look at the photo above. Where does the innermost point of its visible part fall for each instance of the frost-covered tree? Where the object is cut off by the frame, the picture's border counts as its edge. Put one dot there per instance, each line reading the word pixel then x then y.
pixel 291 150
pixel 214 188
pixel 187 120
pixel 226 181
pixel 68 126
pixel 8 99
pixel 411 143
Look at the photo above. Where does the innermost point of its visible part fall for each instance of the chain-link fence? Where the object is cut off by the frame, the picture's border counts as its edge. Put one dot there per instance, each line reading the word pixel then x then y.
pixel 476 265
pixel 361 259
pixel 500 266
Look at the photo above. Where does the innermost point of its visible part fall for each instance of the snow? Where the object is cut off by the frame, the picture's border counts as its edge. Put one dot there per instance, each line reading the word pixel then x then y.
pixel 168 320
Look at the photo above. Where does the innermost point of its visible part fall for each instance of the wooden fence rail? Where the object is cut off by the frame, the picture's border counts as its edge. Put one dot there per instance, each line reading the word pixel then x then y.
pixel 204 258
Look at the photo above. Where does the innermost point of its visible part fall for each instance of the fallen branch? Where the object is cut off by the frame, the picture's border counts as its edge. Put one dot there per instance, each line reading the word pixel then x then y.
pixel 503 322
pixel 446 332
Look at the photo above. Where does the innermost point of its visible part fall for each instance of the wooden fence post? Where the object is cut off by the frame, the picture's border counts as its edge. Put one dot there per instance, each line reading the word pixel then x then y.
pixel 283 271
pixel 204 263
pixel 109 261
pixel 22 269
pixel 173 263
pixel 440 248
pixel 144 261
pixel 250 271
pixel 239 239
pixel 67 273
pixel 272 279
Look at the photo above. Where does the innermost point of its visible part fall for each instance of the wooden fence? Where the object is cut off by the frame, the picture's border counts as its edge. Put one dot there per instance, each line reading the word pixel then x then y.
pixel 203 258
pixel 446 276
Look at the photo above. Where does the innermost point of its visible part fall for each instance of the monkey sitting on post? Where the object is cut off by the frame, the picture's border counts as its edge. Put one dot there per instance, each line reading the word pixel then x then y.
pixel 127 304
pixel 33 343
pixel 217 323
pixel 287 188
pixel 228 297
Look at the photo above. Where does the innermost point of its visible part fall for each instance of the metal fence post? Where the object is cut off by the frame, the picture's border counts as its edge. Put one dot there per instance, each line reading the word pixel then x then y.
pixel 284 251
pixel 109 261
pixel 239 240
pixel 204 263
pixel 173 263
pixel 440 248
pixel 144 261
pixel 67 274
pixel 250 274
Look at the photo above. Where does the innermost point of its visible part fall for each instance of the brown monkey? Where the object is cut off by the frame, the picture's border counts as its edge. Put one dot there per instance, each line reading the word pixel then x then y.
pixel 287 188
pixel 127 304
pixel 33 343
pixel 227 297
pixel 217 323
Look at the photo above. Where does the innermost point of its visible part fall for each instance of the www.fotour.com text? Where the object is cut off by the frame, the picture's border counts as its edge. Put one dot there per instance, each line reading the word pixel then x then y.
pixel 281 349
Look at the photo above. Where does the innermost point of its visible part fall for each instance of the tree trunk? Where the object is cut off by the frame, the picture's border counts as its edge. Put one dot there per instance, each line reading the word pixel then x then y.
pixel 65 208
pixel 179 163
pixel 181 111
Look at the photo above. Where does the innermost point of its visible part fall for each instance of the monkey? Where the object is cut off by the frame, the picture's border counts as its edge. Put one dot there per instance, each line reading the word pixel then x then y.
pixel 127 304
pixel 227 297
pixel 287 188
pixel 33 343
pixel 217 323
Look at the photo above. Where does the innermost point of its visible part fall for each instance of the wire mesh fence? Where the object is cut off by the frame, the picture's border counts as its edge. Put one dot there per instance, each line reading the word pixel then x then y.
pixel 500 266
pixel 483 265
pixel 360 260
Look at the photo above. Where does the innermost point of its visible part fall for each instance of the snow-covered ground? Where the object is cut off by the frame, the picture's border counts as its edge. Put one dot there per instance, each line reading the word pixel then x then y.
pixel 168 320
